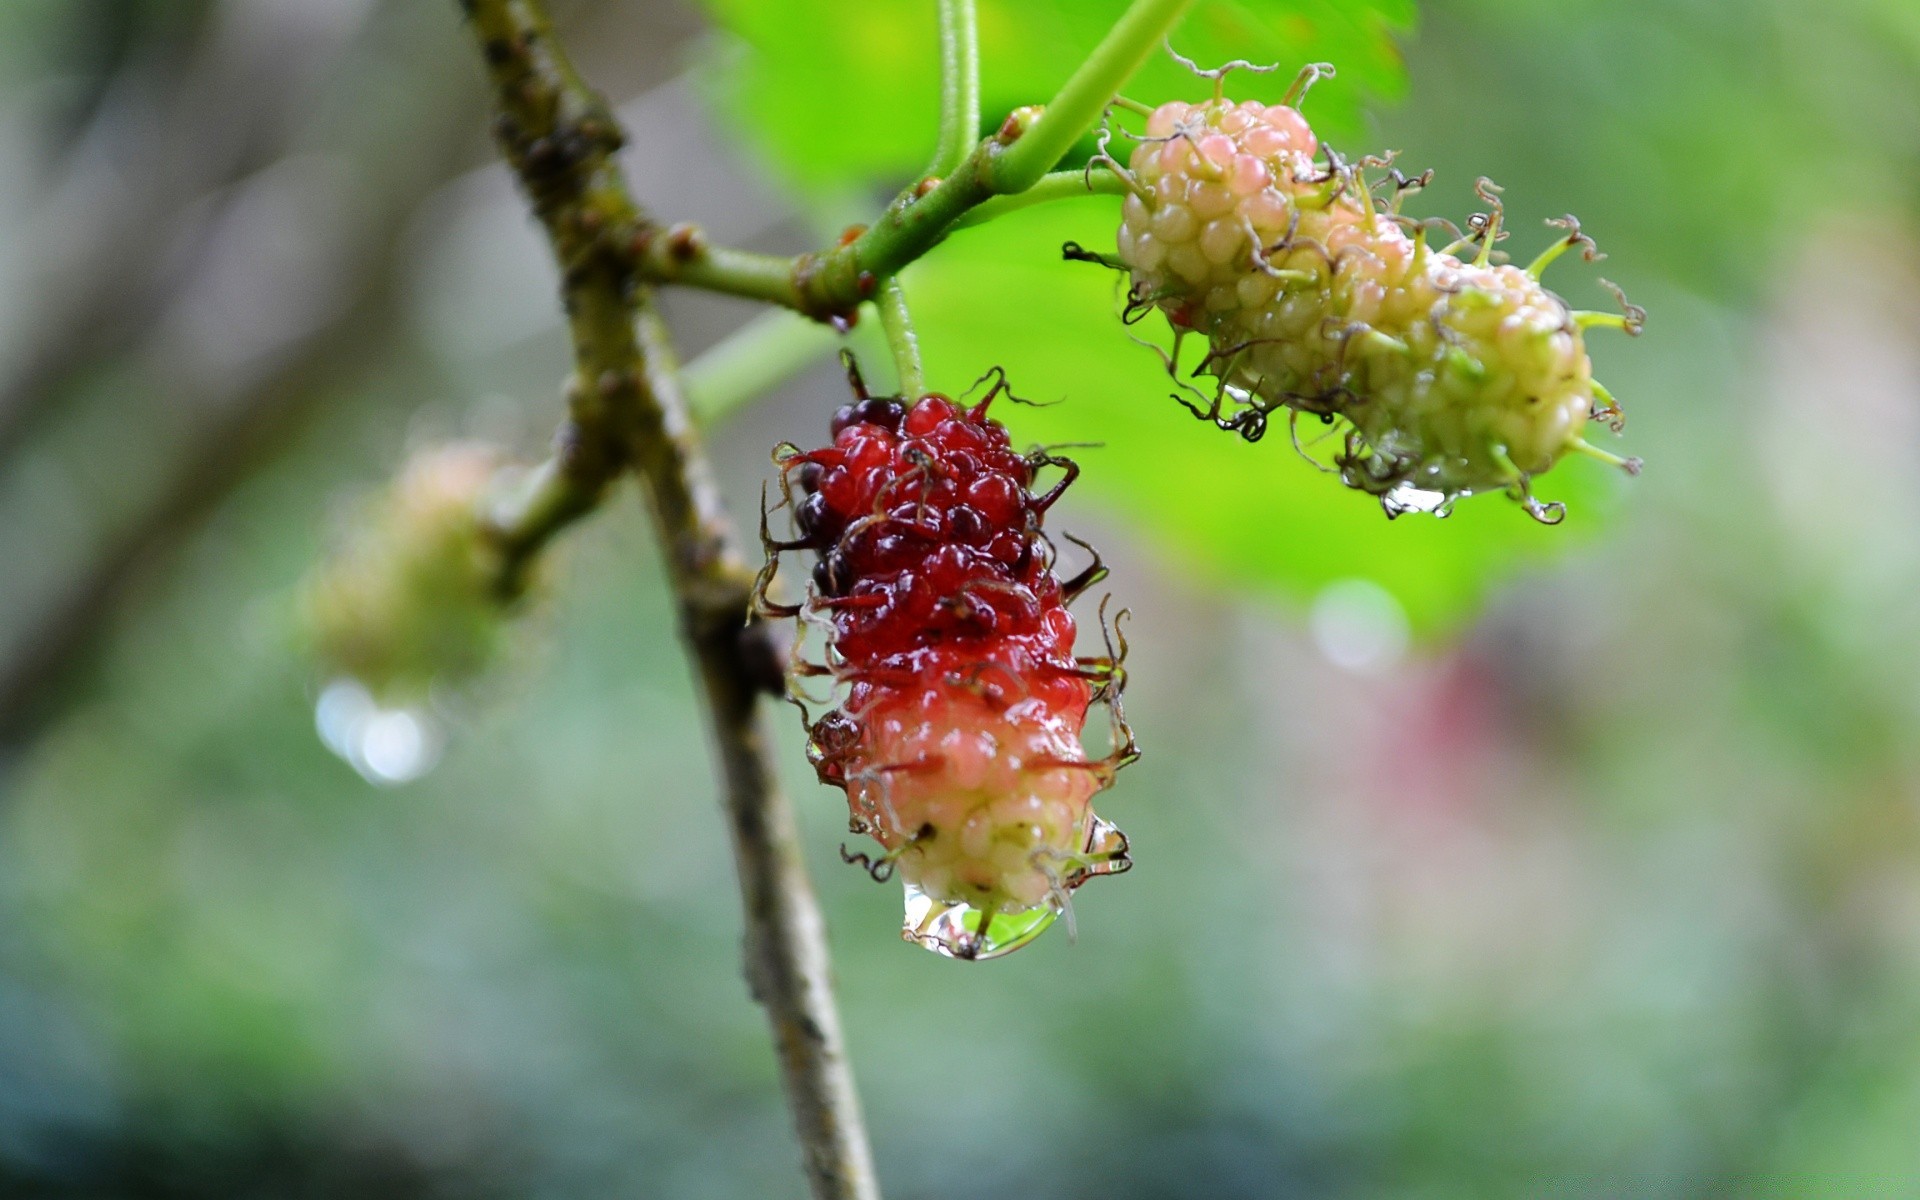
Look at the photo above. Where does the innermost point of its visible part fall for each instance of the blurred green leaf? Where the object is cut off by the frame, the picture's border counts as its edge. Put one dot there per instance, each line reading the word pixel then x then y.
pixel 1854 1128
pixel 1237 513
pixel 848 91
pixel 1690 142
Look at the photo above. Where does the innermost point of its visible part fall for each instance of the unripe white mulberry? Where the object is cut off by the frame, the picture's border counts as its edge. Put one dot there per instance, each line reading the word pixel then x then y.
pixel 1450 376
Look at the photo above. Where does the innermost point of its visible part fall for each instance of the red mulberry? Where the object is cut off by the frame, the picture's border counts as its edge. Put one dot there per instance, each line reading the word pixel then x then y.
pixel 1451 376
pixel 956 735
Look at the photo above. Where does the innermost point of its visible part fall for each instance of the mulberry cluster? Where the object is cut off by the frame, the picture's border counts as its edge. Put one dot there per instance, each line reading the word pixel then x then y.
pixel 1450 375
pixel 960 703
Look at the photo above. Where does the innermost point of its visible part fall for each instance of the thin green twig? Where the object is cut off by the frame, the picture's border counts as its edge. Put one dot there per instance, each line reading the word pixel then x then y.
pixel 901 339
pixel 682 254
pixel 1085 96
pixel 832 284
pixel 757 357
pixel 1059 185
pixel 959 86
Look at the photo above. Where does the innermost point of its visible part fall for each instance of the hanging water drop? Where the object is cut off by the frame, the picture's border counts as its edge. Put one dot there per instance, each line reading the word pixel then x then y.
pixel 1404 497
pixel 956 929
pixel 959 930
pixel 388 746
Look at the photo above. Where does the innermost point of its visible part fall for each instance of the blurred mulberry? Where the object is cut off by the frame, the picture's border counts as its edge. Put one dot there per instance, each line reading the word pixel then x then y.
pixel 404 599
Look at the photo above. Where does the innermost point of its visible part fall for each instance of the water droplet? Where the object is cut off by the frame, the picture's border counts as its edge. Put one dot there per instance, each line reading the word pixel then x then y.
pixel 1106 853
pixel 1406 498
pixel 388 746
pixel 954 930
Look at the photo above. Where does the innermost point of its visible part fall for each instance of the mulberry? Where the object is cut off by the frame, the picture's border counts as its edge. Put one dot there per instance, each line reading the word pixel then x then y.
pixel 405 601
pixel 1449 376
pixel 960 703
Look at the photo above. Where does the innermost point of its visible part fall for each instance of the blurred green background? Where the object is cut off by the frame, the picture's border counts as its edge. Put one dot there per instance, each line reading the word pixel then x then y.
pixel 1474 859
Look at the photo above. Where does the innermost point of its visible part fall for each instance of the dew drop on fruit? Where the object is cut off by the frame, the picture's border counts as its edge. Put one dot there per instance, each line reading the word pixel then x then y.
pixel 1106 850
pixel 1405 497
pixel 953 930
pixel 388 746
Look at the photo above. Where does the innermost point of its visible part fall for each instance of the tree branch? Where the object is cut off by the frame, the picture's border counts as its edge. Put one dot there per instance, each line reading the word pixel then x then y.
pixel 627 410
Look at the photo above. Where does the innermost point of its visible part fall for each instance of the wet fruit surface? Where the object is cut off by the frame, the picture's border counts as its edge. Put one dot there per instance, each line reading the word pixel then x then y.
pixel 960 703
pixel 1447 375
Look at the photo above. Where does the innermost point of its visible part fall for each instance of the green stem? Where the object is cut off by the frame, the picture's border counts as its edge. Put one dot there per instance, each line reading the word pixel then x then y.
pixel 681 254
pixel 1081 102
pixel 1011 161
pixel 905 344
pixel 759 356
pixel 832 284
pixel 519 525
pixel 959 86
pixel 1059 185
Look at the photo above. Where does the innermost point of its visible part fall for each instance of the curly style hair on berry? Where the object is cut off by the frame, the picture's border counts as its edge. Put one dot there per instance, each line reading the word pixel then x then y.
pixel 1446 375
pixel 959 701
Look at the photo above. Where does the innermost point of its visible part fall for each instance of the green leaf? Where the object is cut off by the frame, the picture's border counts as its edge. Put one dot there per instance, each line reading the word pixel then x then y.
pixel 842 92
pixel 1235 513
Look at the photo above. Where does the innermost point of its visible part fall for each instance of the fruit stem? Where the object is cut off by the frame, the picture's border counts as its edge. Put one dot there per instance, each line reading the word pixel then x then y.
pixel 519 526
pixel 1538 266
pixel 1309 75
pixel 1057 185
pixel 901 339
pixel 1387 342
pixel 1608 406
pixel 1081 101
pixel 830 285
pixel 1516 478
pixel 959 87
pixel 760 355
